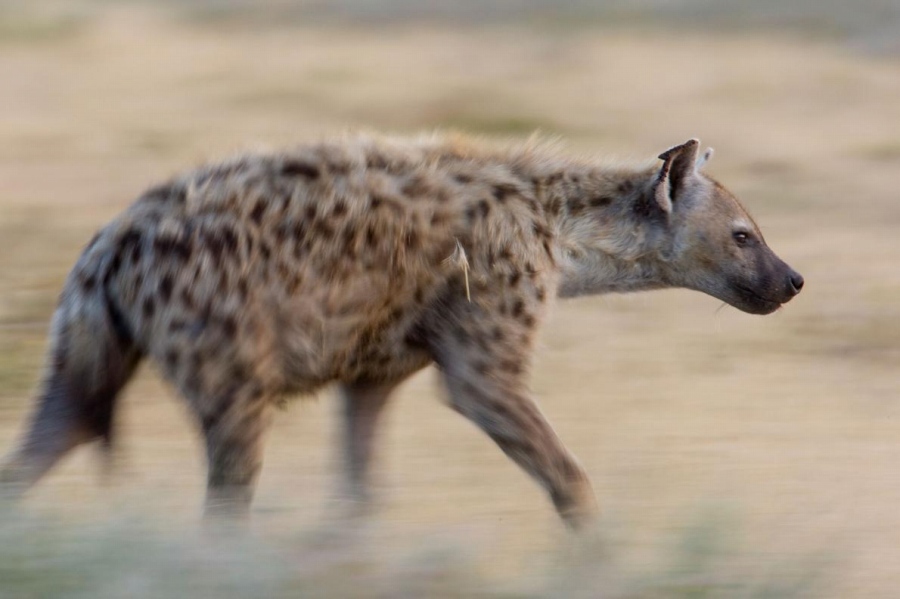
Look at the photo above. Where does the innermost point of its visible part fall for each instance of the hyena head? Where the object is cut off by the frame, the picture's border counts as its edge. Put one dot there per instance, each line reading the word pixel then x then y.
pixel 708 242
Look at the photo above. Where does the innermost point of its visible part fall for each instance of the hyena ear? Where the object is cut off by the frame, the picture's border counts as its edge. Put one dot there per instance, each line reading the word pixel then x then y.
pixel 679 165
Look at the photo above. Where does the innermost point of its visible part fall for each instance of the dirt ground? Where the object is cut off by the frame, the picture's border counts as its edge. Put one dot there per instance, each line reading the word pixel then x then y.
pixel 786 427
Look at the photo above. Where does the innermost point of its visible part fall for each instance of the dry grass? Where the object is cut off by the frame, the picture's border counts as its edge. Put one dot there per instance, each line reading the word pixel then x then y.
pixel 791 422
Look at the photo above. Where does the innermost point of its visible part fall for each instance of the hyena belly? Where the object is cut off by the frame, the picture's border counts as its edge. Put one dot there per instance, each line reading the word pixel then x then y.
pixel 363 329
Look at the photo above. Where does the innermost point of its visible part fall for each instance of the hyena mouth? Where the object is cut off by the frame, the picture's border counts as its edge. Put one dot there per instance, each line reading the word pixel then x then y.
pixel 758 304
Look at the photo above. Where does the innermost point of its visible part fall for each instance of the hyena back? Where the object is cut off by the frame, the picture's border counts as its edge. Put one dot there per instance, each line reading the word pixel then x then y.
pixel 359 262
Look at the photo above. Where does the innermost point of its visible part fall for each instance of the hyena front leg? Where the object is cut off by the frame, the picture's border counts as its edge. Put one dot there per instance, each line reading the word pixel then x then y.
pixel 362 404
pixel 485 377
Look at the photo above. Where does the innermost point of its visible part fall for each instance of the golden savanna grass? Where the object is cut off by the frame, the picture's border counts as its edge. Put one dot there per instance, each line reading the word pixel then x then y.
pixel 789 424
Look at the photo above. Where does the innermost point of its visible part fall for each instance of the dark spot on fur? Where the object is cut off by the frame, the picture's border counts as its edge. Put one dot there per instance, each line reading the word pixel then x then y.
pixel 540 294
pixel 169 247
pixel 293 284
pixel 502 192
pixel 349 237
pixel 484 208
pixel 376 161
pixel 340 208
pixel 283 270
pixel 310 212
pixel 576 206
pixel 299 168
pixel 281 233
pixel 481 367
pixel 518 308
pixel 299 231
pixel 132 239
pixel 416 187
pixel 499 408
pixel 462 178
pixel 514 278
pixel 497 333
pixel 230 240
pixel 646 206
pixel 371 236
pixel 600 201
pixel 89 283
pixel 149 307
pixel 323 227
pixel 625 186
pixel 510 365
pixel 136 253
pixel 162 193
pixel 165 288
pixel 229 326
pixel 541 230
pixel 528 320
pixel 257 213
pixel 171 358
pixel 438 219
pixel 555 206
pixel 209 420
pixel 265 251
pixel 115 265
pixel 214 243
pixel 378 201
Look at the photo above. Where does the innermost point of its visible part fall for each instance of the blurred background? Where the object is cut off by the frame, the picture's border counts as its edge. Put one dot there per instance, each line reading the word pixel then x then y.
pixel 733 455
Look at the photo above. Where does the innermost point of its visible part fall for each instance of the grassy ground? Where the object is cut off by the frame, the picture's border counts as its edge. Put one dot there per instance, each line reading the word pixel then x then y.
pixel 788 425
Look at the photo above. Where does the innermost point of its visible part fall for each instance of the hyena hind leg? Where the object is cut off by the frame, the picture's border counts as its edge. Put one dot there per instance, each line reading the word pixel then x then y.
pixel 234 428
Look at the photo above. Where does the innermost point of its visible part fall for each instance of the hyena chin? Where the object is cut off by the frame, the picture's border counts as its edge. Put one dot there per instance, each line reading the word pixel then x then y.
pixel 358 262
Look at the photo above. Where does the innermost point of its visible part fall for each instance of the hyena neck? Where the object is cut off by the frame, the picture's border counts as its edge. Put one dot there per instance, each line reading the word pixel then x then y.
pixel 605 241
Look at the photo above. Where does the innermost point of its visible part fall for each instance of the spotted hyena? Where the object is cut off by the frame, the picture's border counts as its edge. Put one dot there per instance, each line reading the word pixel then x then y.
pixel 361 261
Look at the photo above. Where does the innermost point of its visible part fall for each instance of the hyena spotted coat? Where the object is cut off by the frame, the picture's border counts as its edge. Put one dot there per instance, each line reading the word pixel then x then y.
pixel 359 262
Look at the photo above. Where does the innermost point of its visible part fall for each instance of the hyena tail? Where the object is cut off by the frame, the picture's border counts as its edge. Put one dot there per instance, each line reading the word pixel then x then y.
pixel 92 355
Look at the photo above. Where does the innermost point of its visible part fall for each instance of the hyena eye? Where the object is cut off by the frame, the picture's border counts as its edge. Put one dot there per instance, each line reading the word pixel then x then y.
pixel 740 237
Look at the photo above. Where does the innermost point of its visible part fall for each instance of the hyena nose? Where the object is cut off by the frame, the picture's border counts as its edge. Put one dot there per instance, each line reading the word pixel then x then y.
pixel 796 282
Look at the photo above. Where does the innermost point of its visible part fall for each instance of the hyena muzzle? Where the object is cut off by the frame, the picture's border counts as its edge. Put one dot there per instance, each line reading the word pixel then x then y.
pixel 359 262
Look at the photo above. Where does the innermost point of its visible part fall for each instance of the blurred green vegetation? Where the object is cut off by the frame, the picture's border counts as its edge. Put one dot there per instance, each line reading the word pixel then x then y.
pixel 47 557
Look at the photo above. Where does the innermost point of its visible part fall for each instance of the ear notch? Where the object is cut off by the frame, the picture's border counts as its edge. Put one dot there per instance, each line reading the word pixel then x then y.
pixel 679 164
